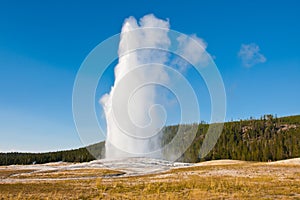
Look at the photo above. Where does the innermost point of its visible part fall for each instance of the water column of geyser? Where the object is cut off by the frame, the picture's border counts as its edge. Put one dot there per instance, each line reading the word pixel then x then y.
pixel 131 114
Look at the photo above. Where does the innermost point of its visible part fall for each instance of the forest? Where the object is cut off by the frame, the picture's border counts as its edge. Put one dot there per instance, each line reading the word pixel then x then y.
pixel 266 139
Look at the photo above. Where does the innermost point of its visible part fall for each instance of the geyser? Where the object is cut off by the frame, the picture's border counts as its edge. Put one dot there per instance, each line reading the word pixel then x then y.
pixel 150 57
pixel 133 119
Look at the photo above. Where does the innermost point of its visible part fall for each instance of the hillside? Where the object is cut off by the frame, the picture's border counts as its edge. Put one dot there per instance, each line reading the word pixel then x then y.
pixel 266 139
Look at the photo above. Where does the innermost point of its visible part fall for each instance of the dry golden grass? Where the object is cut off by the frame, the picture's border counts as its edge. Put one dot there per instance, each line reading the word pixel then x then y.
pixel 4 173
pixel 234 181
pixel 239 181
pixel 74 173
pixel 83 189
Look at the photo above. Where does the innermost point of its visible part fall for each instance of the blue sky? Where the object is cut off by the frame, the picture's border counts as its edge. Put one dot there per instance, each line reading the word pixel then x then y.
pixel 42 45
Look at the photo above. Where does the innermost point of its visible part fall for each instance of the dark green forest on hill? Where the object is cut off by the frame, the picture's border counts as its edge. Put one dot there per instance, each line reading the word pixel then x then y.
pixel 264 139
pixel 267 139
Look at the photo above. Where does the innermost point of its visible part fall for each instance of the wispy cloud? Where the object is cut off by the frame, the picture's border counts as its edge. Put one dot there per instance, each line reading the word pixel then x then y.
pixel 250 55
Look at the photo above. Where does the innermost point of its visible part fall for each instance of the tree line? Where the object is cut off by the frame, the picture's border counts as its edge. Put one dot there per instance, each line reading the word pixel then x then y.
pixel 75 155
pixel 264 139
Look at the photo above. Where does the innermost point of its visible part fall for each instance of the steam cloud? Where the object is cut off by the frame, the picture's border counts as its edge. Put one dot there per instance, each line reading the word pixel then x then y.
pixel 134 120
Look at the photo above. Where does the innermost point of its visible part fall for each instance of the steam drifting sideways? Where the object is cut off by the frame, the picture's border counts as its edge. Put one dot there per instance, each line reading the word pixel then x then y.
pixel 134 119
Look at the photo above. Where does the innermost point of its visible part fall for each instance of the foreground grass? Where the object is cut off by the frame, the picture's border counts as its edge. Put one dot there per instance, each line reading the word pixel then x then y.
pixel 204 188
pixel 240 181
pixel 63 174
pixel 8 173
pixel 82 189
pixel 192 183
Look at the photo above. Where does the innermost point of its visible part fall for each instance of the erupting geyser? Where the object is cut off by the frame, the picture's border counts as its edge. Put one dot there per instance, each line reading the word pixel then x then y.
pixel 133 118
pixel 152 78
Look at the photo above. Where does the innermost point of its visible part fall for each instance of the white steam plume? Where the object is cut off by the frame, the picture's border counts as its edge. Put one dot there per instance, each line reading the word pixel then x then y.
pixel 131 114
pixel 134 120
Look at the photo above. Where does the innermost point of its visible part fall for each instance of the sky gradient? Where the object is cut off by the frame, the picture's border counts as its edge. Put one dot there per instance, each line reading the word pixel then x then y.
pixel 255 45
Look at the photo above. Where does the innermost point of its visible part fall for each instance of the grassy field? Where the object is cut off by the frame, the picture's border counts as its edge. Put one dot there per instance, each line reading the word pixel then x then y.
pixel 210 180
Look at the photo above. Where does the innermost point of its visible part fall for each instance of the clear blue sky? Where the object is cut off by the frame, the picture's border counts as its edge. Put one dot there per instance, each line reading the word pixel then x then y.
pixel 43 43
